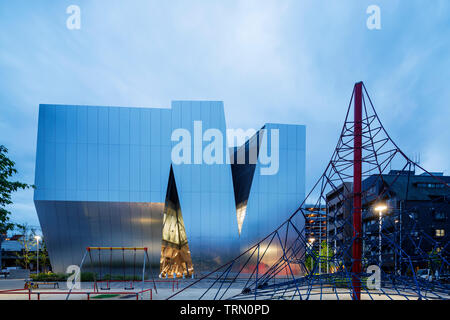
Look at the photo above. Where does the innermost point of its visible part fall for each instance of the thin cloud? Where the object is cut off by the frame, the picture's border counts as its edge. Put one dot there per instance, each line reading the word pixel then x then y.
pixel 268 60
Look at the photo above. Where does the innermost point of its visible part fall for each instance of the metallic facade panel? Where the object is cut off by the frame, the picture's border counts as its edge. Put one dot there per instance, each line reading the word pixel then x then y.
pixel 206 191
pixel 71 226
pixel 273 198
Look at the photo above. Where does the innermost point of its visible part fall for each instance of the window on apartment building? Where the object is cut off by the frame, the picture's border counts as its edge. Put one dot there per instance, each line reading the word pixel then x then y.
pixel 431 185
pixel 438 215
pixel 414 215
pixel 440 232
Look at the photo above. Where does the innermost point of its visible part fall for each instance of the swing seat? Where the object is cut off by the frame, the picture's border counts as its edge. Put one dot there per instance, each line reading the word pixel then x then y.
pixel 131 287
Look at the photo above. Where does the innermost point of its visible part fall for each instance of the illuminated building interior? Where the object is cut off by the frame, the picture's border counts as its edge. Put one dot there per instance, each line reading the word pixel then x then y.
pixel 175 254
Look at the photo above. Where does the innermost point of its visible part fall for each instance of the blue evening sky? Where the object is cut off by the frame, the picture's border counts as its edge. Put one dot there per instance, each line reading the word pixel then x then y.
pixel 287 61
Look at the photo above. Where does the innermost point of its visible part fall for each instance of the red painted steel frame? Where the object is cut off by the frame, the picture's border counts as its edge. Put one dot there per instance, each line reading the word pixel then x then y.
pixel 29 292
pixel 357 177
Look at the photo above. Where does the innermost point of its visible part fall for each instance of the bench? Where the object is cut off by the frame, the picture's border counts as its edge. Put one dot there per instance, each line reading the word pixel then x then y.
pixel 30 284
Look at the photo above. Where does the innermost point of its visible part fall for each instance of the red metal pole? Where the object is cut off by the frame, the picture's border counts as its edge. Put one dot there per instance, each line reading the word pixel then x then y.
pixel 357 177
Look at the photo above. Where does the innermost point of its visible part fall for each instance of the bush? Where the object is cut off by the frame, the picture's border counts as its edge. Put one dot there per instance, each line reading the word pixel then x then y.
pixel 49 276
pixel 344 282
pixel 120 277
pixel 87 276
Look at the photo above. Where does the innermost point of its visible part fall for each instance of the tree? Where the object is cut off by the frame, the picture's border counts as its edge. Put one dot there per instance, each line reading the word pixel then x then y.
pixel 322 258
pixel 29 252
pixel 311 260
pixel 434 260
pixel 326 254
pixel 43 257
pixel 7 170
pixel 26 255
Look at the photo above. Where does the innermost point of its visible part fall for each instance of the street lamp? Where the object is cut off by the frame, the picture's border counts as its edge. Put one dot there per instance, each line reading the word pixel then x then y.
pixel 38 238
pixel 380 208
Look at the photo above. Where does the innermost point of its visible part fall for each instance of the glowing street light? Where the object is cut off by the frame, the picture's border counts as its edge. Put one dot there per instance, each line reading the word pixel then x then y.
pixel 380 208
pixel 38 238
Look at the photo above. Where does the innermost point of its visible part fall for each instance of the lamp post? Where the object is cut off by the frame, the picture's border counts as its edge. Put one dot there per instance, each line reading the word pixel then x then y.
pixel 395 239
pixel 38 238
pixel 380 208
pixel 311 245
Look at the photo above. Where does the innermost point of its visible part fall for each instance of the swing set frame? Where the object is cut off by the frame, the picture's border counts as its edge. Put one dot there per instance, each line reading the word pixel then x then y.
pixel 96 288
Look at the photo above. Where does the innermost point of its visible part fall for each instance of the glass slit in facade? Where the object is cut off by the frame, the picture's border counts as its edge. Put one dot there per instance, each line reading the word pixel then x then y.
pixel 175 254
